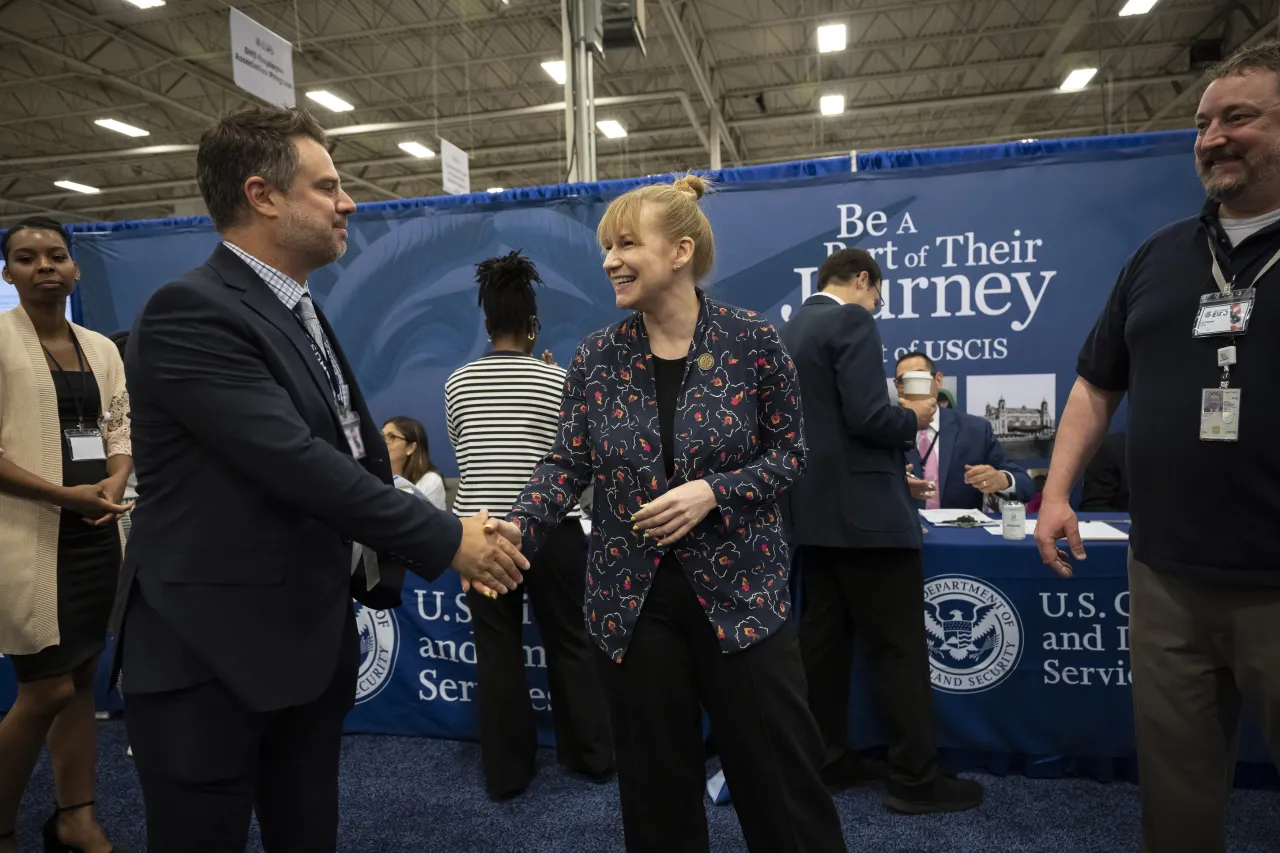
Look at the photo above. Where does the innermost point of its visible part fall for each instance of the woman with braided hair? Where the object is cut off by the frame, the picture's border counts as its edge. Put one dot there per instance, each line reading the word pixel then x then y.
pixel 503 411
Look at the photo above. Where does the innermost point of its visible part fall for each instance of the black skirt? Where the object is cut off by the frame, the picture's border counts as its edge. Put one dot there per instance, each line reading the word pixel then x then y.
pixel 88 556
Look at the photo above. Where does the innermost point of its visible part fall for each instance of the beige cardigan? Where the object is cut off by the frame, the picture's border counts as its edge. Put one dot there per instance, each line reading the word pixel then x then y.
pixel 31 438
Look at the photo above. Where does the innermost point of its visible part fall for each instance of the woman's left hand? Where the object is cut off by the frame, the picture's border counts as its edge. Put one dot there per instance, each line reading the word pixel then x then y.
pixel 671 516
pixel 113 488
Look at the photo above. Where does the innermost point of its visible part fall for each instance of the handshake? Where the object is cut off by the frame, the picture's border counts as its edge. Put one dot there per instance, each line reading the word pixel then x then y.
pixel 489 557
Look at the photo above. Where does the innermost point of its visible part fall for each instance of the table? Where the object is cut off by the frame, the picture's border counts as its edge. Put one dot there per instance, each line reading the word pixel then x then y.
pixel 1048 692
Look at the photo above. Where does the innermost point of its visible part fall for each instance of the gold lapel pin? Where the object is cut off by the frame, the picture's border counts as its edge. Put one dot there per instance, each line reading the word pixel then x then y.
pixel 706 361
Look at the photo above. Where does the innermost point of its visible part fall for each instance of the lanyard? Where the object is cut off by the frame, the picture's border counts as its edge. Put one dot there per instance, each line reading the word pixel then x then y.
pixel 1223 285
pixel 328 364
pixel 80 398
pixel 924 457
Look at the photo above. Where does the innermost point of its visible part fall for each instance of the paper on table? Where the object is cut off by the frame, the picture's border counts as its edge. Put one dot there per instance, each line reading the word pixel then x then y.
pixel 1096 531
pixel 938 516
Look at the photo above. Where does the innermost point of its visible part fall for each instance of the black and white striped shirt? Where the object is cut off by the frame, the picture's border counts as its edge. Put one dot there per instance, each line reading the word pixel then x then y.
pixel 503 413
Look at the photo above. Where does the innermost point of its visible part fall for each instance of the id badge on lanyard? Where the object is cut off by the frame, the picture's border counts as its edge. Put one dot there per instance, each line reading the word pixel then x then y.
pixel 351 428
pixel 1224 314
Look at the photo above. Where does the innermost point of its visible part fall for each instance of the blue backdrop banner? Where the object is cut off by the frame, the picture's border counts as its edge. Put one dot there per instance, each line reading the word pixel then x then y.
pixel 995 267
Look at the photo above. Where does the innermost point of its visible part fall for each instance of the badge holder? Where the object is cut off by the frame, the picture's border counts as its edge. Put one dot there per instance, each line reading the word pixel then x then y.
pixel 86 444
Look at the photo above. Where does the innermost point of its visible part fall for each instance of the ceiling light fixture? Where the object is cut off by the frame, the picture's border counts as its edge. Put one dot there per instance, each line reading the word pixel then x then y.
pixel 611 129
pixel 1137 7
pixel 146 4
pixel 74 187
pixel 832 38
pixel 121 127
pixel 495 190
pixel 555 69
pixel 329 101
pixel 831 105
pixel 1077 79
pixel 417 149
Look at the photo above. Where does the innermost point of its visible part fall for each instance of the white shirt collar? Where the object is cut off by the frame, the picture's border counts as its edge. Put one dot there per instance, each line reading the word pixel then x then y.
pixel 831 296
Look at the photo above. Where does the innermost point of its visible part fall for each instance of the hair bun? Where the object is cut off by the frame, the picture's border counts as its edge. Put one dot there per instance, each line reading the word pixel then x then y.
pixel 693 185
pixel 510 270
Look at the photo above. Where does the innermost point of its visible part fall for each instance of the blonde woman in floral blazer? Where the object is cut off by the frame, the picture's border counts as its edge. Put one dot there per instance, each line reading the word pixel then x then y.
pixel 64 462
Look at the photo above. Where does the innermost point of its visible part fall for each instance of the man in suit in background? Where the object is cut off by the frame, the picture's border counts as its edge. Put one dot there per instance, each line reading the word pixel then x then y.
pixel 264 494
pixel 956 461
pixel 858 533
pixel 1106 483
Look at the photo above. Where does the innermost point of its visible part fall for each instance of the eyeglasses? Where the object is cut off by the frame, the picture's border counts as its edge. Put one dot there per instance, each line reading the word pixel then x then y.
pixel 389 437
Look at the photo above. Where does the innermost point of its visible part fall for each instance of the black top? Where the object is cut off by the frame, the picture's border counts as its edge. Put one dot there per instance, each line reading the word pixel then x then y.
pixel 1201 509
pixel 79 405
pixel 668 376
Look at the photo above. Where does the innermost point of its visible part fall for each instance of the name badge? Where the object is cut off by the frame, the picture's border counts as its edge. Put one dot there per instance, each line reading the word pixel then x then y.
pixel 1224 313
pixel 86 444
pixel 351 427
pixel 1220 414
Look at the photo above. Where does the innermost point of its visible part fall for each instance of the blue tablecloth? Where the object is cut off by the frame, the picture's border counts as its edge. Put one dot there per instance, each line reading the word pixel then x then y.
pixel 1030 670
pixel 1046 692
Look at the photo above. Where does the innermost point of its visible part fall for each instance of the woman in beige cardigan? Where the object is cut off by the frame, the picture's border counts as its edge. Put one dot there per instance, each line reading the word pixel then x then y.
pixel 64 462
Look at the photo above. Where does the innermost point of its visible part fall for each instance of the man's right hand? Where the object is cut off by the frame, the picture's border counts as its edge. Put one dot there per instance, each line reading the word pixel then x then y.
pixel 486 556
pixel 921 490
pixel 91 501
pixel 1057 520
pixel 924 409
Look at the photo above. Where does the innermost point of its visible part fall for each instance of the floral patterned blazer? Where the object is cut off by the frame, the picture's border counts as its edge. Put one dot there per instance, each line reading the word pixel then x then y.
pixel 737 425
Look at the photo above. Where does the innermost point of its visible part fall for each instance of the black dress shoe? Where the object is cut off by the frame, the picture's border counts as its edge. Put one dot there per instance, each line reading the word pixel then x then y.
pixel 944 794
pixel 854 772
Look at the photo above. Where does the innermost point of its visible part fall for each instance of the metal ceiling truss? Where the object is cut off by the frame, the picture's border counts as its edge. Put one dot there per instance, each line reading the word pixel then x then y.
pixel 738 76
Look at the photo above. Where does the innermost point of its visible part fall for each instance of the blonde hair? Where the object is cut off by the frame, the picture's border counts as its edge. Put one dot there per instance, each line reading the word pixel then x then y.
pixel 677 215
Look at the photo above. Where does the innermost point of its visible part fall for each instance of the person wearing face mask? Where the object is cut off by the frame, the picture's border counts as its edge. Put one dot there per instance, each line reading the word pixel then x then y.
pixel 65 458
pixel 856 524
pixel 411 459
pixel 239 653
pixel 685 416
pixel 502 411
pixel 1186 335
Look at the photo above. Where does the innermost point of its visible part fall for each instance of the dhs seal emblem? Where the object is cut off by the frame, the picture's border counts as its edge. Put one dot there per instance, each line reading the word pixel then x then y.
pixel 974 634
pixel 379 646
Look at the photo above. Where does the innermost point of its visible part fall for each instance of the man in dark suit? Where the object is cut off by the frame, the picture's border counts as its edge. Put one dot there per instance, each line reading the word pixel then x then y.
pixel 955 460
pixel 858 533
pixel 264 494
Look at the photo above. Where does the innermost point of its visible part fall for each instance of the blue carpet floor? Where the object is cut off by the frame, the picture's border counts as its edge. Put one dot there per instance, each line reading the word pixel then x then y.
pixel 403 795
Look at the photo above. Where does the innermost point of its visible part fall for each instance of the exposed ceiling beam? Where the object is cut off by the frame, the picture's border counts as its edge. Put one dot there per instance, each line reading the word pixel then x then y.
pixel 1179 100
pixel 700 80
pixel 137 42
pixel 1048 64
pixel 956 101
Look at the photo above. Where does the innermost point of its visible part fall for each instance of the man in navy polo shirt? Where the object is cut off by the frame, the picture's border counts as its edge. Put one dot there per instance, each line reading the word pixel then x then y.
pixel 1192 334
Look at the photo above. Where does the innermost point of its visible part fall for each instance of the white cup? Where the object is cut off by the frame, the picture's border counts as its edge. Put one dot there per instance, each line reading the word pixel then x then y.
pixel 917 385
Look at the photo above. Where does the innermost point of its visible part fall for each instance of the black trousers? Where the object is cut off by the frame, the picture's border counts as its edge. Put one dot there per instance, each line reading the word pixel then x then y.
pixel 555 583
pixel 206 763
pixel 768 742
pixel 874 596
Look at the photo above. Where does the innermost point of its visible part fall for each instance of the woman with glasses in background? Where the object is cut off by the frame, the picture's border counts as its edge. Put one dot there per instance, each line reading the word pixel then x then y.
pixel 411 458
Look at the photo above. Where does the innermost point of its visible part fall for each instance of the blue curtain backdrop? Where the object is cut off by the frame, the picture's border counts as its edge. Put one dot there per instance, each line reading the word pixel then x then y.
pixel 997 259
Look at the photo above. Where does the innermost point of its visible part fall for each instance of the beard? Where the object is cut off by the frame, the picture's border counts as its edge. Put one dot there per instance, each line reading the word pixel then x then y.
pixel 318 243
pixel 1256 168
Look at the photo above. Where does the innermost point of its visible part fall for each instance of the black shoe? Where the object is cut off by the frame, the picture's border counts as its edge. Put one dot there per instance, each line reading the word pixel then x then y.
pixel 944 794
pixel 854 772
pixel 53 844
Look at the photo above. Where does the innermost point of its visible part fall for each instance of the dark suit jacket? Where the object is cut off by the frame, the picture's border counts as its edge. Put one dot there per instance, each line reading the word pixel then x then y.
pixel 854 493
pixel 969 440
pixel 239 559
pixel 737 426
pixel 1106 484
